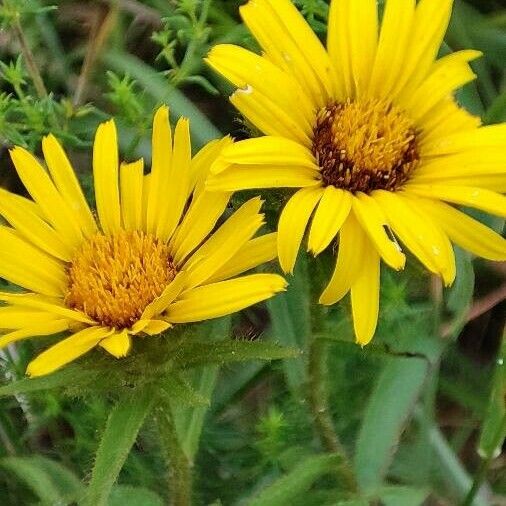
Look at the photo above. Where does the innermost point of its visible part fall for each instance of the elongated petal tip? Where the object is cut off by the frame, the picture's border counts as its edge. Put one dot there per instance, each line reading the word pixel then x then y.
pixel 364 336
pixel 277 283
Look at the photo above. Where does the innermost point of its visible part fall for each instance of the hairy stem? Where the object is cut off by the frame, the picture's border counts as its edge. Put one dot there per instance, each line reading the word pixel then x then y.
pixel 318 400
pixel 179 469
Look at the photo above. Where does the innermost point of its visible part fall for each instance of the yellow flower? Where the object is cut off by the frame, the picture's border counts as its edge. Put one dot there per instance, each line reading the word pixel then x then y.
pixel 370 132
pixel 147 263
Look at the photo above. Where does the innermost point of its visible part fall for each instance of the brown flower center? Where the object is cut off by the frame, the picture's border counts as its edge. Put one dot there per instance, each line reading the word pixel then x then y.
pixel 364 145
pixel 112 278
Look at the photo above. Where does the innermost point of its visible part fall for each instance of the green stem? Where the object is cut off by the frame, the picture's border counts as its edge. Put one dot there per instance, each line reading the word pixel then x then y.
pixel 323 424
pixel 179 469
pixel 485 464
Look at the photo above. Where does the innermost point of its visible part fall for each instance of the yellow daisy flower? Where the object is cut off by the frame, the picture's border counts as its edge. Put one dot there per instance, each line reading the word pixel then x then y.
pixel 148 262
pixel 371 133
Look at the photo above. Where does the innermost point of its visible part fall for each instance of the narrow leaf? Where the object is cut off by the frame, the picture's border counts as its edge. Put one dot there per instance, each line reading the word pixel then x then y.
pixel 288 488
pixel 124 495
pixel 493 432
pixel 196 353
pixel 390 405
pixel 51 482
pixel 291 321
pixel 120 433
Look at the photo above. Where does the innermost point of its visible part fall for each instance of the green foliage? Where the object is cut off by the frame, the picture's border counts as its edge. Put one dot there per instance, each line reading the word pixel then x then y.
pixel 419 413
pixel 119 435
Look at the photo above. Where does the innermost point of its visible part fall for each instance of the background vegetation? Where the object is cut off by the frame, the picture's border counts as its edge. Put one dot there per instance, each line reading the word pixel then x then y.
pixel 418 412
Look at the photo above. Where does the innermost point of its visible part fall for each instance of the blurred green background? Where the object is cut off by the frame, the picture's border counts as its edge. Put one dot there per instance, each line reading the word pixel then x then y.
pixel 412 409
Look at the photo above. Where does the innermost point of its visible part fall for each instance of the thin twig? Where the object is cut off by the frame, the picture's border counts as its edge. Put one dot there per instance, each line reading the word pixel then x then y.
pixel 481 306
pixel 29 59
pixel 100 32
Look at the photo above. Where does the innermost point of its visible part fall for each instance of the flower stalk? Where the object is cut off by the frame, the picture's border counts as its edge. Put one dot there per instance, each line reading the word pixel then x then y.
pixel 319 403
pixel 179 467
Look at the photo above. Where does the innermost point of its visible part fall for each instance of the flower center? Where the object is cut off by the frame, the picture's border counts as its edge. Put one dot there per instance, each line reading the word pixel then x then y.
pixel 112 278
pixel 364 145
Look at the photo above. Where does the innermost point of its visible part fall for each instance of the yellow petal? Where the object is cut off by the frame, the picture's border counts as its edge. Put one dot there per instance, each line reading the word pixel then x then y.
pixel 255 252
pixel 150 327
pixel 245 177
pixel 339 47
pixel 202 161
pixel 67 350
pixel 46 328
pixel 246 69
pixel 267 150
pixel 359 24
pixel 419 233
pixel 18 211
pixel 471 196
pixel 465 231
pixel 224 243
pixel 117 344
pixel 461 165
pixel 491 136
pixel 279 28
pixel 265 114
pixel 179 182
pixel 330 215
pixel 27 266
pixel 292 225
pixel 449 74
pixel 49 305
pixel 160 169
pixel 155 327
pixel 396 29
pixel 16 317
pixel 105 176
pixel 67 183
pixel 494 182
pixel 352 242
pixel 131 179
pixel 198 222
pixel 365 297
pixel 426 35
pixel 448 118
pixel 371 217
pixel 173 289
pixel 225 297
pixel 44 193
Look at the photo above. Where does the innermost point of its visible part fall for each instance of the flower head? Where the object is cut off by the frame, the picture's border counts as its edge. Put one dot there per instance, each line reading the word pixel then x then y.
pixel 370 132
pixel 150 261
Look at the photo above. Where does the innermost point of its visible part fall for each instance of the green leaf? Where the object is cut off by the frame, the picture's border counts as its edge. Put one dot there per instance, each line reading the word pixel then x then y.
pixel 401 496
pixel 389 407
pixel 448 467
pixel 177 390
pixel 123 425
pixel 460 295
pixel 124 495
pixel 59 379
pixel 291 322
pixel 493 431
pixel 197 353
pixel 51 482
pixel 287 488
pixel 161 91
pixel 189 421
pixel 496 113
